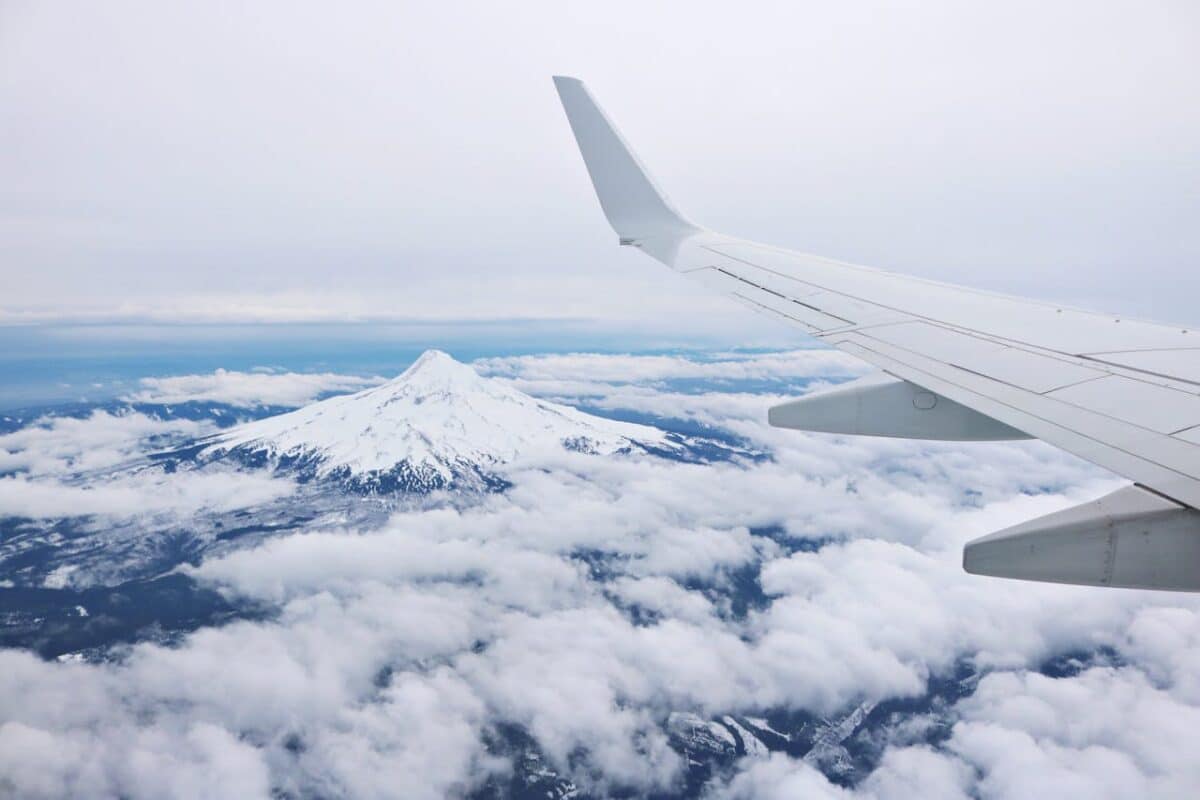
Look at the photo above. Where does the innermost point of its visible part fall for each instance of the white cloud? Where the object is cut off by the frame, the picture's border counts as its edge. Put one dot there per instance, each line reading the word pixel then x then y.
pixel 1166 641
pixel 149 492
pixel 583 374
pixel 1105 733
pixel 903 773
pixel 919 772
pixel 103 752
pixel 663 596
pixel 247 389
pixel 394 651
pixel 54 445
pixel 781 778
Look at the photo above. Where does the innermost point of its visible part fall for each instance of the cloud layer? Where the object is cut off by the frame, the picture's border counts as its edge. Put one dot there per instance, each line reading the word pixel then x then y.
pixel 248 389
pixel 594 598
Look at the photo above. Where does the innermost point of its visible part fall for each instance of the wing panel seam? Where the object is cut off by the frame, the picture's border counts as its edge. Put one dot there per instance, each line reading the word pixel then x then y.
pixel 774 311
pixel 1142 371
pixel 781 297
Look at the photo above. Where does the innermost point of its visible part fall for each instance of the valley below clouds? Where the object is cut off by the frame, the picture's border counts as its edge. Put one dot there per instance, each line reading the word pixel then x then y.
pixel 782 615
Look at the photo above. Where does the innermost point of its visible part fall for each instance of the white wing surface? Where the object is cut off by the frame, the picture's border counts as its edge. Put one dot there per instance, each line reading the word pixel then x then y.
pixel 963 364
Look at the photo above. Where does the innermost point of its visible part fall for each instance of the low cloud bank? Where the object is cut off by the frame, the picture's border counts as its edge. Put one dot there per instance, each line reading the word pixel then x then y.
pixel 595 597
pixel 248 389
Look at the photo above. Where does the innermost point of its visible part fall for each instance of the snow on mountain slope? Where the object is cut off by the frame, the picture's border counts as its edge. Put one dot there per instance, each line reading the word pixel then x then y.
pixel 436 424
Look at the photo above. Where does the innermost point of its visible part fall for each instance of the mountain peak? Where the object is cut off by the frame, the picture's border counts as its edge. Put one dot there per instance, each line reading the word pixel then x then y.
pixel 434 359
pixel 435 370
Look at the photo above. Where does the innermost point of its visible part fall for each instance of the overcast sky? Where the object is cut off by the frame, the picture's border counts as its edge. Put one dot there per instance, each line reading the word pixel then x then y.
pixel 274 161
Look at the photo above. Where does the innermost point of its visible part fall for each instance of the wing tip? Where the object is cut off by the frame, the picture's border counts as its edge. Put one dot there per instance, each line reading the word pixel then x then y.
pixel 636 208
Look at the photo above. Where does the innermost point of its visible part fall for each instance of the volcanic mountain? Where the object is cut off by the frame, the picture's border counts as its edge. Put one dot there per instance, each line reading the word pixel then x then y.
pixel 439 424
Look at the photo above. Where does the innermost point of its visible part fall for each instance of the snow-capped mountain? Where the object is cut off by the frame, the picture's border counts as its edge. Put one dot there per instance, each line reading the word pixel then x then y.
pixel 437 424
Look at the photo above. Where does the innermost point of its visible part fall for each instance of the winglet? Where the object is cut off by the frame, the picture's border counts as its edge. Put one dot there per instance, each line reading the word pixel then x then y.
pixel 636 208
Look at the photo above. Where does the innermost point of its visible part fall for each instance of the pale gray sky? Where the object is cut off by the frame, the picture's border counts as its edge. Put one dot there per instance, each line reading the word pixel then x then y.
pixel 214 161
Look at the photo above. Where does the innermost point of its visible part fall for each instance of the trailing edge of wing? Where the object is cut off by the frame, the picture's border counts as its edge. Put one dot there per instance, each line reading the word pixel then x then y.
pixel 636 208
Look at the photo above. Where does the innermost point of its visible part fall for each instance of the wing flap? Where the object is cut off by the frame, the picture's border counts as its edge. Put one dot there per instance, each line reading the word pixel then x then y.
pixel 1180 365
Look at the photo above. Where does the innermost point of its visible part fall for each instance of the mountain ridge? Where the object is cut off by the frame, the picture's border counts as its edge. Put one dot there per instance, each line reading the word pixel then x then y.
pixel 437 424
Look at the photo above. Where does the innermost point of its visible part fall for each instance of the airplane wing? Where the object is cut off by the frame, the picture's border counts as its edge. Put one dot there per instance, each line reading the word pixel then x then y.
pixel 962 364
